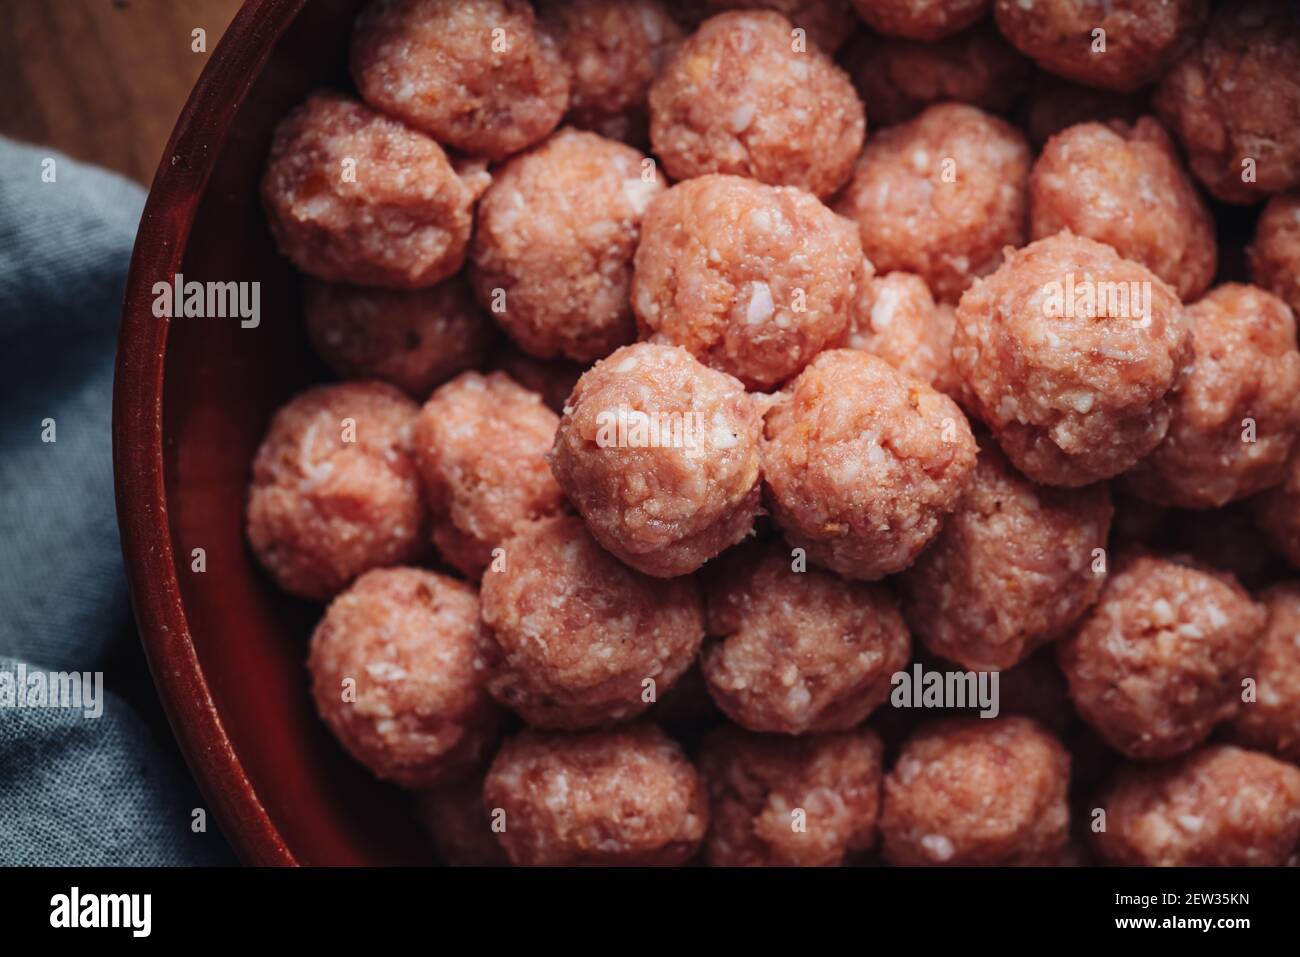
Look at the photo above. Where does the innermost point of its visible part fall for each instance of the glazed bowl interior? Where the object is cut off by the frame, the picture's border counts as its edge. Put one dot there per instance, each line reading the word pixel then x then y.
pixel 234 681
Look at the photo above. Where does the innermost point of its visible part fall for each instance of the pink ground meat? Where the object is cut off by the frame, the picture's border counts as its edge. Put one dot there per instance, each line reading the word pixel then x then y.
pixel 1271 721
pixel 1237 412
pixel 790 802
pixel 392 669
pixel 941 196
pixel 1069 354
pixel 1014 567
pixel 741 96
pixel 753 280
pixel 1159 661
pixel 797 651
pixel 976 791
pixel 574 638
pixel 552 251
pixel 660 455
pixel 334 490
pixel 862 463
pixel 921 19
pixel 623 797
pixel 415 340
pixel 481 443
pixel 1126 187
pixel 896 318
pixel 353 196
pixel 478 75
pixel 1275 253
pixel 1218 807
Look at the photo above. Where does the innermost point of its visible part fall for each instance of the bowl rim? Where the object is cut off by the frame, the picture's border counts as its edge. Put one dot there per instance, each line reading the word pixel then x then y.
pixel 178 186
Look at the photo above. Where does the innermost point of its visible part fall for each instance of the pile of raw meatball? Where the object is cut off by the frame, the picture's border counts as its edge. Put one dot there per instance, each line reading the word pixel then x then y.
pixel 702 366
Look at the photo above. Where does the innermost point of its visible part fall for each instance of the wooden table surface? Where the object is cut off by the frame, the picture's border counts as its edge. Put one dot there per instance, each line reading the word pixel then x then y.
pixel 103 80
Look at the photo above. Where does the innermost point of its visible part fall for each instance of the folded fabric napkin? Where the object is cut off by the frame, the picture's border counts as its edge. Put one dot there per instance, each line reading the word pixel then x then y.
pixel 86 778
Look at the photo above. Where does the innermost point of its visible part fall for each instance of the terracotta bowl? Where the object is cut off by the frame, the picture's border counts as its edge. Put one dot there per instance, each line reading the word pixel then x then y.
pixel 192 399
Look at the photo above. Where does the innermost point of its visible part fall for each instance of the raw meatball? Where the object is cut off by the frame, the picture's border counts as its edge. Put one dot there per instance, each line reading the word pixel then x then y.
pixel 1069 353
pixel 742 96
pixel 1126 187
pixel 1013 568
pixel 481 443
pixel 392 674
pixel 977 791
pixel 660 455
pixel 625 797
pixel 921 19
pixel 790 802
pixel 477 74
pixel 335 491
pixel 573 638
pixel 552 379
pixel 459 826
pixel 899 78
pixel 896 318
pixel 753 280
pixel 414 340
pixel 552 254
pixel 1275 254
pixel 1219 807
pixel 1160 660
pixel 1141 38
pixel 1235 97
pixel 1056 104
pixel 353 196
pixel 1272 721
pixel 941 196
pixel 862 463
pixel 1237 411
pixel 798 651
pixel 614 49
pixel 1277 512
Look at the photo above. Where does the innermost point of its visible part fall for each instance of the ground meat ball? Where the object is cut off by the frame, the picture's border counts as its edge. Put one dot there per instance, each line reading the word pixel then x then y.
pixel 753 280
pixel 414 340
pixel 459 826
pixel 899 78
pixel 660 454
pixel 1012 569
pixel 1159 661
pixel 1247 369
pixel 552 254
pixel 798 651
pixel 626 796
pixel 392 669
pixel 896 318
pixel 1141 38
pixel 828 23
pixel 1275 254
pixel 1277 512
pixel 334 489
pixel 1126 187
pixel 1219 807
pixel 759 784
pixel 1056 104
pixel 481 443
pixel 572 635
pixel 921 19
pixel 1272 721
pixel 552 379
pixel 941 196
pixel 862 463
pixel 977 791
pixel 477 74
pixel 1235 96
pixel 1068 353
pixel 614 49
pixel 738 97
pixel 353 196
